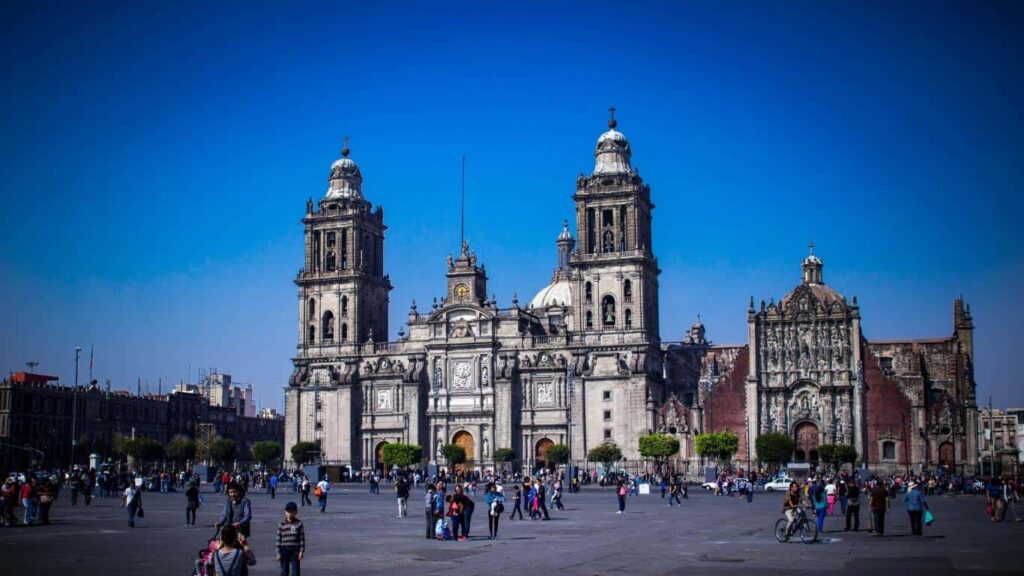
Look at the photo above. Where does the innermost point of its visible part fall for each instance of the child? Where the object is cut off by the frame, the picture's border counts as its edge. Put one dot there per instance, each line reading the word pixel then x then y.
pixel 291 541
pixel 454 516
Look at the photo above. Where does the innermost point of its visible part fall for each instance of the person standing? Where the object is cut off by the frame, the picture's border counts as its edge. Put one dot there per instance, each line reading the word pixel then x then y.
pixel 880 504
pixel 29 499
pixel 291 541
pixel 191 504
pixel 466 508
pixel 517 497
pixel 621 491
pixel 272 486
pixel 233 554
pixel 374 484
pixel 304 489
pixel 495 508
pixel 132 501
pixel 750 491
pixel 237 511
pixel 916 504
pixel 402 495
pixel 433 506
pixel 843 493
pixel 47 494
pixel 75 483
pixel 322 488
pixel 664 488
pixel 831 495
pixel 852 505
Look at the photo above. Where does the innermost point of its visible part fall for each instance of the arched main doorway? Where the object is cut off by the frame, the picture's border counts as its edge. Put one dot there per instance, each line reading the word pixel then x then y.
pixel 947 456
pixel 540 452
pixel 805 436
pixel 378 456
pixel 465 439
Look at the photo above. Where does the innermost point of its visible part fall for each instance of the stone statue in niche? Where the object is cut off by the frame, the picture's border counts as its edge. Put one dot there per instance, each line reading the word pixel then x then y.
pixel 437 377
pixel 461 329
pixel 484 376
pixel 609 241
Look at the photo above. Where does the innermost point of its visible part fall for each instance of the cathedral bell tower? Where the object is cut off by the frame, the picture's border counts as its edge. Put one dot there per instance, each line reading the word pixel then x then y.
pixel 343 291
pixel 614 271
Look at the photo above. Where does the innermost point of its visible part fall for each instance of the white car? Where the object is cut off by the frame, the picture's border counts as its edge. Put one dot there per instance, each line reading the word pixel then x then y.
pixel 781 484
pixel 710 486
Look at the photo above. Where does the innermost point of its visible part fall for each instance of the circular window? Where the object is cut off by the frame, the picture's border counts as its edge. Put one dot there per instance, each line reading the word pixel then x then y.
pixel 945 431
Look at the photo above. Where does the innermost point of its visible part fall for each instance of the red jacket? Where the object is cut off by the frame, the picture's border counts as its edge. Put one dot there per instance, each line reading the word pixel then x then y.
pixel 27 491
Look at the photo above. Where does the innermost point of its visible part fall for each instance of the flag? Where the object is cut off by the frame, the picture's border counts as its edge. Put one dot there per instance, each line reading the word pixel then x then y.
pixel 92 353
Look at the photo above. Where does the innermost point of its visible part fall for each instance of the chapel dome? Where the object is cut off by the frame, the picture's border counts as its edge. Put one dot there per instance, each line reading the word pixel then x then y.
pixel 557 293
pixel 612 154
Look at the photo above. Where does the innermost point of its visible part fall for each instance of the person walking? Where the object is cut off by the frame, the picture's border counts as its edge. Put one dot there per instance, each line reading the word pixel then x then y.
pixel 322 488
pixel 28 500
pixel 132 502
pixel 291 541
pixel 517 496
pixel 831 495
pixel 852 495
pixel 556 499
pixel 233 553
pixel 916 504
pixel 843 495
pixel 621 491
pixel 820 502
pixel 191 504
pixel 237 511
pixel 495 508
pixel 402 495
pixel 880 504
pixel 664 488
pixel 1010 498
pixel 673 493
pixel 750 492
pixel 75 484
pixel 542 499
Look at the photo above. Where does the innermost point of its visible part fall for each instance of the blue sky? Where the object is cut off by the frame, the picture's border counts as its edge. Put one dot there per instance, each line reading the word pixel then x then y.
pixel 155 159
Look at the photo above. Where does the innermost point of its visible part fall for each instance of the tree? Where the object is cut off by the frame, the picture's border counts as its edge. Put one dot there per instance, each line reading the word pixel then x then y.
pixel 774 448
pixel 401 455
pixel 181 449
pixel 265 452
pixel 719 446
pixel 505 455
pixel 223 449
pixel 119 444
pixel 835 455
pixel 557 455
pixel 658 447
pixel 145 449
pixel 304 452
pixel 454 453
pixel 606 454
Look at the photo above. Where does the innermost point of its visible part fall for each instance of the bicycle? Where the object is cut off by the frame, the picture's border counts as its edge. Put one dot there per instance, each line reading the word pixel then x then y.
pixel 803 526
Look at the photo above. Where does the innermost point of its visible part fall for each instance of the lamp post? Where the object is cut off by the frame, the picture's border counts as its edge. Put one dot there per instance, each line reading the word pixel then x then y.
pixel 74 408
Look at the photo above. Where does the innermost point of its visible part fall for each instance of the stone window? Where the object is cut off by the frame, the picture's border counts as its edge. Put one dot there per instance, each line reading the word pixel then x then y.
pixel 330 265
pixel 588 293
pixel 311 334
pixel 311 308
pixel 606 395
pixel 344 305
pixel 888 450
pixel 627 317
pixel 607 415
pixel 344 332
pixel 327 330
pixel 607 434
pixel 627 291
pixel 590 320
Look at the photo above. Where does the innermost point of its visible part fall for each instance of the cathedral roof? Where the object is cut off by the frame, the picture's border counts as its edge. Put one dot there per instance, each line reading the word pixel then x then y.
pixel 813 283
pixel 345 181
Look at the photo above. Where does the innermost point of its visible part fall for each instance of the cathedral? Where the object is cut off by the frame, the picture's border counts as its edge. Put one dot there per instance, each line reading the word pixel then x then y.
pixel 583 363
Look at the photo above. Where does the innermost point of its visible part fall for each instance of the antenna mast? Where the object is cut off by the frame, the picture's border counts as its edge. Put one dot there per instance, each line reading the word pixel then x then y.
pixel 462 219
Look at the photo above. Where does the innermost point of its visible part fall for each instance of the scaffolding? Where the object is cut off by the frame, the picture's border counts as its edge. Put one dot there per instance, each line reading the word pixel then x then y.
pixel 205 434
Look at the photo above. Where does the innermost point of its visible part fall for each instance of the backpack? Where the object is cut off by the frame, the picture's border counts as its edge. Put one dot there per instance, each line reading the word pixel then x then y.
pixel 318 492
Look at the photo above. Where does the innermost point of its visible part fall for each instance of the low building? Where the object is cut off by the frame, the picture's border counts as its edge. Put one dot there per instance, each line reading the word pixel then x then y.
pixel 37 416
pixel 999 440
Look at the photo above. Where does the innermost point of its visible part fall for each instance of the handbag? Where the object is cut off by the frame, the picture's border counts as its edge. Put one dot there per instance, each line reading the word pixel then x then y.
pixel 141 513
pixel 928 518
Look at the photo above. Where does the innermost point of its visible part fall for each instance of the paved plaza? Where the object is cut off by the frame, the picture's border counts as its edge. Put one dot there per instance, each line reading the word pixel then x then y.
pixel 360 534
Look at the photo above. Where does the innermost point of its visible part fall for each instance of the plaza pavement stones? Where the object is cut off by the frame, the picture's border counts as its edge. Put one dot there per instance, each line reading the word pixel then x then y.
pixel 361 535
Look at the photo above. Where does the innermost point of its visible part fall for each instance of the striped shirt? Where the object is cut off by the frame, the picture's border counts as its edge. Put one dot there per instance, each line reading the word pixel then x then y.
pixel 291 536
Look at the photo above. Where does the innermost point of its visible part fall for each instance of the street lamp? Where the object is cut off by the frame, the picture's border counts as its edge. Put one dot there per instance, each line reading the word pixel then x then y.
pixel 74 408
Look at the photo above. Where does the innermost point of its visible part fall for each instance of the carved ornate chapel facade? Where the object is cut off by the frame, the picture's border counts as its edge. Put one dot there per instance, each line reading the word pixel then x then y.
pixel 583 364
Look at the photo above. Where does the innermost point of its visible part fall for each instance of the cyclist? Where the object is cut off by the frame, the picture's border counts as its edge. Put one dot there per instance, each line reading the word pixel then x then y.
pixel 790 502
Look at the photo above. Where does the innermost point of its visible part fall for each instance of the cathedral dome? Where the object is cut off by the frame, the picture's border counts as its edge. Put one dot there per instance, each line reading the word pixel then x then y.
pixel 345 181
pixel 814 284
pixel 555 294
pixel 612 153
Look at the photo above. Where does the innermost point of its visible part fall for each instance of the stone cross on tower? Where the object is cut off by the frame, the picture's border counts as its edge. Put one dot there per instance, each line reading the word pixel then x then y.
pixel 611 121
pixel 811 248
pixel 344 148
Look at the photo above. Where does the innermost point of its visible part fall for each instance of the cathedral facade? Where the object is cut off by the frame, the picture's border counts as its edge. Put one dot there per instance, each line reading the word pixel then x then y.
pixel 582 363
